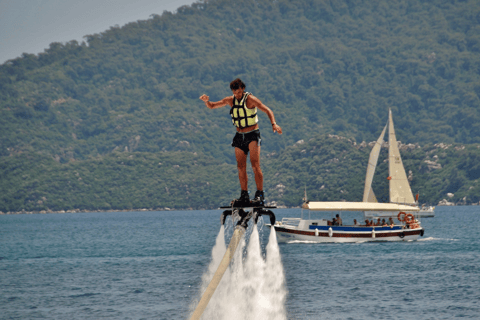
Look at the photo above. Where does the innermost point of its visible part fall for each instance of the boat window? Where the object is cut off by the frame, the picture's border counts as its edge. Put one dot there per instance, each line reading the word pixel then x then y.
pixel 314 224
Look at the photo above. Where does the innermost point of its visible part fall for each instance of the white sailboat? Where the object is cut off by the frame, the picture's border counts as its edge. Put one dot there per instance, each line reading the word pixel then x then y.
pixel 399 187
pixel 402 207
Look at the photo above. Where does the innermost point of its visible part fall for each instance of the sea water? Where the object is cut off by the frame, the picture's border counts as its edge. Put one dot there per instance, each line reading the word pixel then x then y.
pixel 154 265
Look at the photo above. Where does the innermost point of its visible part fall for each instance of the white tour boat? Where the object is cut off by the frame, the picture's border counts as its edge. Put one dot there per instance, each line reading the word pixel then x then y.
pixel 323 230
pixel 400 215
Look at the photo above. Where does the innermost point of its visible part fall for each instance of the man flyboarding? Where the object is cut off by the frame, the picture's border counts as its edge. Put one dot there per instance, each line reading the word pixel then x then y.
pixel 243 110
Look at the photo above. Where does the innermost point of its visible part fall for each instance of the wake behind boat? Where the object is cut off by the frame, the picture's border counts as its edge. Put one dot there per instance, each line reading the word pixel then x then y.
pixel 396 221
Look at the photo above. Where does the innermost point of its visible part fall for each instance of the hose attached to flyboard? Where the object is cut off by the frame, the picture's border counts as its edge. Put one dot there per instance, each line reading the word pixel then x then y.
pixel 217 277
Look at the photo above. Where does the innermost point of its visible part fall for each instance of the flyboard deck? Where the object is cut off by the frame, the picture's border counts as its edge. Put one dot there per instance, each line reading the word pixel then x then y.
pixel 247 211
pixel 248 207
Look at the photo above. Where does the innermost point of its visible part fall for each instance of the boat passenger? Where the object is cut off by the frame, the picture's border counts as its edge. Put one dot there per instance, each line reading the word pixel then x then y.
pixel 379 223
pixel 384 223
pixel 243 109
pixel 367 223
pixel 355 223
pixel 339 220
pixel 390 221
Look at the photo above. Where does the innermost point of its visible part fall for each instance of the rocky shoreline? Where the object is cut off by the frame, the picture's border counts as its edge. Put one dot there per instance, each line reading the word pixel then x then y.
pixel 444 202
pixel 85 211
pixel 112 210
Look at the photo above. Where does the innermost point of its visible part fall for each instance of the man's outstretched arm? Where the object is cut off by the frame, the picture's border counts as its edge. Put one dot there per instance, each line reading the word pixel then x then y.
pixel 214 105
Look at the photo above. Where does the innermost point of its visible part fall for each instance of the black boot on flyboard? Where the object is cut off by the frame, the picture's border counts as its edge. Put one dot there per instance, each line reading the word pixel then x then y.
pixel 243 201
pixel 259 199
pixel 257 209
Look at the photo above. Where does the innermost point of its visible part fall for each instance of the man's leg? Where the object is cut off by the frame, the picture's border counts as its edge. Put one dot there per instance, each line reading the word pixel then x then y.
pixel 242 168
pixel 255 161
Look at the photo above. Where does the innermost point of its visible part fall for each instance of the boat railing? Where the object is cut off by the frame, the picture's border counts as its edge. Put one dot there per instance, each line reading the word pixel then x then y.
pixel 294 222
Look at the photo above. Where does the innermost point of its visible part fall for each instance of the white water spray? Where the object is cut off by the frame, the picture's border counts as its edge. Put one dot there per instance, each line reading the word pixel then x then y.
pixel 217 254
pixel 252 287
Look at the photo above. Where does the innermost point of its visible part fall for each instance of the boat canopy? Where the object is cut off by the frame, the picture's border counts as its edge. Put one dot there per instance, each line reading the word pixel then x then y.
pixel 358 206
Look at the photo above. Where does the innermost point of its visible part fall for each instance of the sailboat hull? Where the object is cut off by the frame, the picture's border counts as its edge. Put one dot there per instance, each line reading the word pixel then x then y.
pixel 345 234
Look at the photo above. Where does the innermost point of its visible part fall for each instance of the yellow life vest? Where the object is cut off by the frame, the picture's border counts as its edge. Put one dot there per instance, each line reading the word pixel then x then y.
pixel 243 117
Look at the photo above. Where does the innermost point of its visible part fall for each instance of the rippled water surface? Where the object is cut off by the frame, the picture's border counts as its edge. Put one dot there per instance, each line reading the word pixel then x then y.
pixel 149 265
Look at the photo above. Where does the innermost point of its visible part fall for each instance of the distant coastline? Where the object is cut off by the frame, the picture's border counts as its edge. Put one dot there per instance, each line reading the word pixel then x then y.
pixel 167 209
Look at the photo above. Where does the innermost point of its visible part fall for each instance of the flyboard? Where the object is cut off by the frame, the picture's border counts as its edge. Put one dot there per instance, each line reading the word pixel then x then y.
pixel 243 213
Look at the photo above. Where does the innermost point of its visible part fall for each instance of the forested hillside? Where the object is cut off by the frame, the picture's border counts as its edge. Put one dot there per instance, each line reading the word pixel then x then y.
pixel 130 95
pixel 328 167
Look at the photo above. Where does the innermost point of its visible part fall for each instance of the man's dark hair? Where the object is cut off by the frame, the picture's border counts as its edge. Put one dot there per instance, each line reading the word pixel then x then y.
pixel 237 84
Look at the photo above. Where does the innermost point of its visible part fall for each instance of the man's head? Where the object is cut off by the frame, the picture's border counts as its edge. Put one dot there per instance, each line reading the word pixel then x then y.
pixel 237 84
pixel 238 88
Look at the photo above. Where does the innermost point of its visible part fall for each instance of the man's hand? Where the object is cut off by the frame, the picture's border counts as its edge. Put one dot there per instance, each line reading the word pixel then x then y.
pixel 276 128
pixel 204 98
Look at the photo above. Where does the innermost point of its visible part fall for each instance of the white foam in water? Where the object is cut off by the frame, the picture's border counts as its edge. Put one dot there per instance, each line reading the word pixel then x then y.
pixel 252 287
pixel 436 239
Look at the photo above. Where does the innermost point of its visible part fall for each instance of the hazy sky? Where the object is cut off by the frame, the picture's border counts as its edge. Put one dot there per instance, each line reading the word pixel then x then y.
pixel 31 25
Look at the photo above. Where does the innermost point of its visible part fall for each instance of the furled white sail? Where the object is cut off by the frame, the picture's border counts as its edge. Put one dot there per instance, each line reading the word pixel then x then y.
pixel 400 191
pixel 368 194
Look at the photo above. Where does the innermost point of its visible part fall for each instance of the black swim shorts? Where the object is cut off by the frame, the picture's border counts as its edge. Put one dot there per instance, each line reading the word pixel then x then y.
pixel 242 140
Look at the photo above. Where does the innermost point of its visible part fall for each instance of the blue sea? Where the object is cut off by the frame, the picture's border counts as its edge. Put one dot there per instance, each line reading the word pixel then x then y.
pixel 150 265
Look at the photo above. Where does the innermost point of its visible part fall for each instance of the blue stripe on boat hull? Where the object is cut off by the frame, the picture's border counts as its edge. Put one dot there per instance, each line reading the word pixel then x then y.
pixel 352 229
